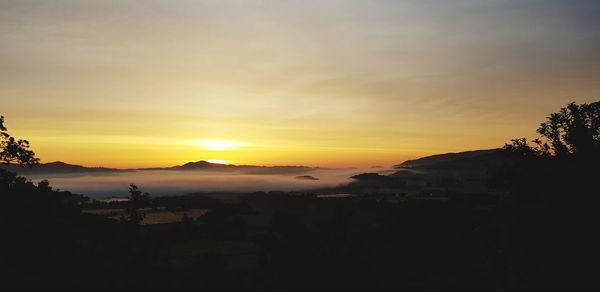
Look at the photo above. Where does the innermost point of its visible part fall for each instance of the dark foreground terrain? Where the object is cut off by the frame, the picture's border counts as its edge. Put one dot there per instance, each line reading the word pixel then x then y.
pixel 516 219
pixel 517 240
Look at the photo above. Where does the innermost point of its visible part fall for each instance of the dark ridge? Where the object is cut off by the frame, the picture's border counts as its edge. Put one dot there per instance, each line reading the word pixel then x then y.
pixel 63 168
pixel 439 159
pixel 57 167
pixel 250 169
pixel 370 176
pixel 202 164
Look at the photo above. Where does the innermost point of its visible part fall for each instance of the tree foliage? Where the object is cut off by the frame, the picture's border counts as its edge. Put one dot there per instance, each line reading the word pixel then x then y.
pixel 574 130
pixel 13 150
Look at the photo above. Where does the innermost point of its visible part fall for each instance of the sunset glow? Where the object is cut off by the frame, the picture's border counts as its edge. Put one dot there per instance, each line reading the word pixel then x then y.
pixel 298 145
pixel 321 83
pixel 217 145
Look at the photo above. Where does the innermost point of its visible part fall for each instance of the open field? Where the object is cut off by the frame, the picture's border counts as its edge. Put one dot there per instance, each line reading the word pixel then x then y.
pixel 152 217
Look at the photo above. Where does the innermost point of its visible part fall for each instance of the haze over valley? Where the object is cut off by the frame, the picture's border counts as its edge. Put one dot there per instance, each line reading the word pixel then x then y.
pixel 179 182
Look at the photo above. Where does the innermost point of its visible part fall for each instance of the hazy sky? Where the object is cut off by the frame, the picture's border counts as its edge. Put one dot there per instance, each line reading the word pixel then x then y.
pixel 327 82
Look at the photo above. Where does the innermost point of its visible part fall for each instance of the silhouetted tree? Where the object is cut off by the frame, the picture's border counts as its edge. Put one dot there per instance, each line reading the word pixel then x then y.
pixel 574 130
pixel 44 185
pixel 557 177
pixel 522 149
pixel 562 161
pixel 137 199
pixel 13 150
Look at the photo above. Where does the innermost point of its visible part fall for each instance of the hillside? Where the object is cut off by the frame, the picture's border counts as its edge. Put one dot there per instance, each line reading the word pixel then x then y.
pixel 452 160
pixel 253 169
pixel 57 167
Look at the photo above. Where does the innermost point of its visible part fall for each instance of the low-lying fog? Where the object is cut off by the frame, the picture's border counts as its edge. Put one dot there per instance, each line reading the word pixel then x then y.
pixel 170 182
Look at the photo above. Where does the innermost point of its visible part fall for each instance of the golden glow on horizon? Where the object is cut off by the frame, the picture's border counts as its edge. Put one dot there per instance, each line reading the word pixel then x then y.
pixel 217 145
pixel 275 82
pixel 218 161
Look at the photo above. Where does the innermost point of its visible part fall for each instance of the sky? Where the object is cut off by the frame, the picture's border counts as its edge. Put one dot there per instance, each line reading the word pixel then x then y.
pixel 320 83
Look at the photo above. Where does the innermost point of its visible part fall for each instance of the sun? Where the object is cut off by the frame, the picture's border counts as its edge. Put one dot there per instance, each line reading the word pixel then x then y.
pixel 217 145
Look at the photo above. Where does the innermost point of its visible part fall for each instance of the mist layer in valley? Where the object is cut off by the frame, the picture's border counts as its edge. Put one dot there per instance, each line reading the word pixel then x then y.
pixel 169 182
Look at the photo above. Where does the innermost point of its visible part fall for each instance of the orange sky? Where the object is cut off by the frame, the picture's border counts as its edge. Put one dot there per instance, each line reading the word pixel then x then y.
pixel 327 83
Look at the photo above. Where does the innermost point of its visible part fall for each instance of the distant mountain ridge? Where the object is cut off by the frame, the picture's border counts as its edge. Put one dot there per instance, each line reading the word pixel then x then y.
pixel 57 167
pixel 62 167
pixel 467 171
pixel 448 160
pixel 250 169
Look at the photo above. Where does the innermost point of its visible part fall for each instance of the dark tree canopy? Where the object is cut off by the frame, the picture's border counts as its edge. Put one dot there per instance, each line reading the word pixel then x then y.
pixel 574 130
pixel 13 150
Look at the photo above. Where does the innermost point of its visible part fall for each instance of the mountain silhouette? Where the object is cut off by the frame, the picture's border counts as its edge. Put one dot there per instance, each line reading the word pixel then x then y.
pixel 60 167
pixel 202 165
pixel 250 169
pixel 463 170
pixel 452 160
pixel 57 167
